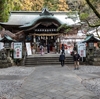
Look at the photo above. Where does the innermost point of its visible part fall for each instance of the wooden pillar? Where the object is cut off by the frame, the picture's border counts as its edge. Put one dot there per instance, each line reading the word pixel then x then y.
pixel 58 45
pixel 46 40
pixel 35 44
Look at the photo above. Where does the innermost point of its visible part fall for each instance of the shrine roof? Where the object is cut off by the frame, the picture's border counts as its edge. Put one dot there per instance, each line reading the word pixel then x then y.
pixel 27 18
pixel 6 38
pixel 6 32
pixel 91 38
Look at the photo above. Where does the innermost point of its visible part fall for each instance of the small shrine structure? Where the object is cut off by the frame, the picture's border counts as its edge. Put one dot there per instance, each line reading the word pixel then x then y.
pixel 92 49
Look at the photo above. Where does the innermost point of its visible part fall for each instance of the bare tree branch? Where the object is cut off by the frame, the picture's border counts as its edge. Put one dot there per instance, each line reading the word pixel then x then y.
pixel 93 8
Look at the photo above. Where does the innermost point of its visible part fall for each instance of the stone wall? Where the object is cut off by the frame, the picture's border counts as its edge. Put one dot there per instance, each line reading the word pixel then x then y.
pixel 93 58
pixel 96 57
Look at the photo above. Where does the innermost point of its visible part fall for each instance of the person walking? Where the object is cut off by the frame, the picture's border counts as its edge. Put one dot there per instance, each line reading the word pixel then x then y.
pixel 76 58
pixel 62 59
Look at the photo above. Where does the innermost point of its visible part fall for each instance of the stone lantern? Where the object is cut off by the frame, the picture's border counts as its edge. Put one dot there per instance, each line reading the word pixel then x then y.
pixel 7 40
pixel 90 48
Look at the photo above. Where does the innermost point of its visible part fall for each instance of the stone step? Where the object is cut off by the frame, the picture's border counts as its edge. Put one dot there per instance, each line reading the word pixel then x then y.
pixel 46 64
pixel 50 61
pixel 33 61
pixel 53 60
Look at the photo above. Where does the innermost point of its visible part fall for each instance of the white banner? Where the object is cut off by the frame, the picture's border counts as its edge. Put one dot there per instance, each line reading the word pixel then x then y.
pixel 17 50
pixel 82 49
pixel 1 45
pixel 28 49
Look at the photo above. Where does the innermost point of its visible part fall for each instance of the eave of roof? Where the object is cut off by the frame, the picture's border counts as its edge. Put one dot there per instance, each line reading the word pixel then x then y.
pixel 91 38
pixel 6 32
pixel 41 18
pixel 6 37
pixel 9 24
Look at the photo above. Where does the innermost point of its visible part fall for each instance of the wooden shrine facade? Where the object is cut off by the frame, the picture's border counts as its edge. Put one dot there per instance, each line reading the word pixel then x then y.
pixel 39 27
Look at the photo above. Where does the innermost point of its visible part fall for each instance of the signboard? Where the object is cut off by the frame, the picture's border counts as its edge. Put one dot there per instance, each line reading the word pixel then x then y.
pixel 1 45
pixel 82 49
pixel 17 50
pixel 28 49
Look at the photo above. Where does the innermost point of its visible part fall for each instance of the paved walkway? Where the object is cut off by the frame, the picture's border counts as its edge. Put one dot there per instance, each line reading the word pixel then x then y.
pixel 48 82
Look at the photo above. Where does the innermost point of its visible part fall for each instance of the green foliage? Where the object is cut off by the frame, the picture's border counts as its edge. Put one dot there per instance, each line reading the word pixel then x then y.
pixel 64 28
pixel 46 2
pixel 84 16
pixel 54 5
pixel 6 6
pixel 2 2
pixel 88 35
pixel 67 30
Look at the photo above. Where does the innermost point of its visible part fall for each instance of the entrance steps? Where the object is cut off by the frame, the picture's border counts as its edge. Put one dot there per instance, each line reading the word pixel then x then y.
pixel 46 59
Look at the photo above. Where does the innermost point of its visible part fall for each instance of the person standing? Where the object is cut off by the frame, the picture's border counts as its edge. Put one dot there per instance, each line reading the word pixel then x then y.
pixel 48 48
pixel 62 59
pixel 55 48
pixel 76 58
pixel 63 48
pixel 41 49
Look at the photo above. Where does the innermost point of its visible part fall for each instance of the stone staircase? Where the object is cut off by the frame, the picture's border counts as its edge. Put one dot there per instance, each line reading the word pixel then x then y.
pixel 46 60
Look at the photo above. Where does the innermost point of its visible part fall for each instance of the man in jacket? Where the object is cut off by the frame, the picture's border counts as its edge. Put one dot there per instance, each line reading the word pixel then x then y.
pixel 76 58
pixel 62 58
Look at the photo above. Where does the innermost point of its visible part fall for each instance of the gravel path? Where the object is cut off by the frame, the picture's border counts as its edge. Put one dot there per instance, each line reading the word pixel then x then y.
pixel 11 80
pixel 90 76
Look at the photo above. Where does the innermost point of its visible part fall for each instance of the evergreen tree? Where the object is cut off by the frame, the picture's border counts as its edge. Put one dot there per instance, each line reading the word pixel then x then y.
pixel 2 2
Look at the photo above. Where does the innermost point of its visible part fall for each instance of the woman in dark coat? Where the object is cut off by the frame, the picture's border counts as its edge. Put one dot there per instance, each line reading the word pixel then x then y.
pixel 62 59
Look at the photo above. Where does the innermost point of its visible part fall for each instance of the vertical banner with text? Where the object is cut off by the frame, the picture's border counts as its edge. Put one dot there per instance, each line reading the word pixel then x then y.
pixel 17 50
pixel 82 49
pixel 1 45
pixel 28 48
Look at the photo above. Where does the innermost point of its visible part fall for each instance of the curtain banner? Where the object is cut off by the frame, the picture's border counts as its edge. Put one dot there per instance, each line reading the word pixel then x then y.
pixel 17 50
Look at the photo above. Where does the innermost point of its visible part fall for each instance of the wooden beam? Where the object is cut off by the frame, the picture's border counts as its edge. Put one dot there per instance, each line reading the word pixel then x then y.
pixel 45 34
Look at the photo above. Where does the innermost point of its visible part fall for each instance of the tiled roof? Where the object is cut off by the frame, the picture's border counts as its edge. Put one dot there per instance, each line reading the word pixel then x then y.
pixel 91 38
pixel 28 18
pixel 6 38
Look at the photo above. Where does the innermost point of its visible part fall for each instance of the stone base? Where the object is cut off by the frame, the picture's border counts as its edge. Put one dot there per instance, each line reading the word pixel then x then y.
pixel 96 63
pixel 5 65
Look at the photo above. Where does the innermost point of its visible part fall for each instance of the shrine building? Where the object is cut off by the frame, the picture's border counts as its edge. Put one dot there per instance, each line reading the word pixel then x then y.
pixel 41 27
